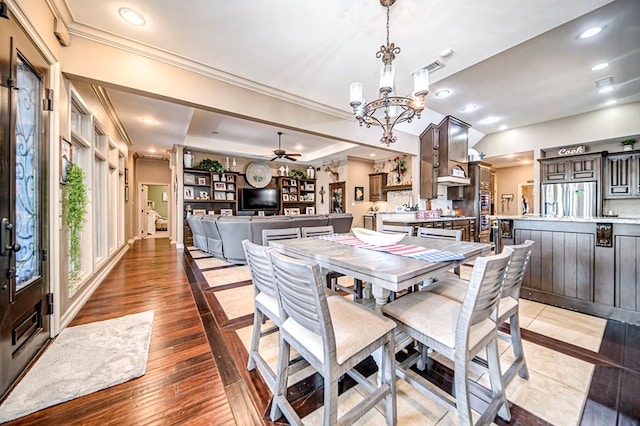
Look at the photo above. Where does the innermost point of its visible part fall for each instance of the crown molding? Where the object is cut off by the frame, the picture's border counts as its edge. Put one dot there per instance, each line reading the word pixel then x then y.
pixel 168 58
pixel 106 103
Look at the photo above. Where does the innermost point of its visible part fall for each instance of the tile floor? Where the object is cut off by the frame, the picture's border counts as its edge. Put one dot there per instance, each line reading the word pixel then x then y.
pixel 555 392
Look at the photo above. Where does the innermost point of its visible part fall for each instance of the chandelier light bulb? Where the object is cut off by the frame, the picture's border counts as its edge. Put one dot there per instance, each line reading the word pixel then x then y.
pixel 387 74
pixel 355 94
pixel 421 82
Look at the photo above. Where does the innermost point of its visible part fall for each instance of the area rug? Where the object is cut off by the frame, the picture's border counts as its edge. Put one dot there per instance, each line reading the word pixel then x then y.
pixel 82 360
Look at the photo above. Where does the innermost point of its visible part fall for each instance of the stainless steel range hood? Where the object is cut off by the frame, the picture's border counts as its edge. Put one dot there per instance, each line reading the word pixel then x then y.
pixel 453 181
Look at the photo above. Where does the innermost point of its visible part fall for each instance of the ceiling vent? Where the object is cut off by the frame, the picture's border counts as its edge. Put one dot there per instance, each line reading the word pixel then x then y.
pixel 604 82
pixel 433 66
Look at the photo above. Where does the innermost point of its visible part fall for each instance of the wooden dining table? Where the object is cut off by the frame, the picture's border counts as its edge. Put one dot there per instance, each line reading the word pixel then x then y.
pixel 385 271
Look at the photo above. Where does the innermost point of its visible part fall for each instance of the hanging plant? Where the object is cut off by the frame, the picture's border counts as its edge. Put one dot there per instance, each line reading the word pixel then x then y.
pixel 211 165
pixel 75 197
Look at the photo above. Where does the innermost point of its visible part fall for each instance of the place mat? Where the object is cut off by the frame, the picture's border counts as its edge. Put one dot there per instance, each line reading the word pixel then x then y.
pixel 407 250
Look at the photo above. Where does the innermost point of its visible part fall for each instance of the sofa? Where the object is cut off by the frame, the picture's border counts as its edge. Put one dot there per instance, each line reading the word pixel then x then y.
pixel 222 236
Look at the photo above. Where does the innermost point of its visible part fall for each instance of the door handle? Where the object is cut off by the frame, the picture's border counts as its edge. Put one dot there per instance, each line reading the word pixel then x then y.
pixel 5 238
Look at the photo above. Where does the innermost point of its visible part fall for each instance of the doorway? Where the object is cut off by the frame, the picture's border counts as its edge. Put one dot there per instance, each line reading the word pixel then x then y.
pixel 154 206
pixel 337 193
pixel 525 199
pixel 24 214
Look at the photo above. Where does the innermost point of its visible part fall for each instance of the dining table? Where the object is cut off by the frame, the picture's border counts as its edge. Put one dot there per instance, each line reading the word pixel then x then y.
pixel 385 271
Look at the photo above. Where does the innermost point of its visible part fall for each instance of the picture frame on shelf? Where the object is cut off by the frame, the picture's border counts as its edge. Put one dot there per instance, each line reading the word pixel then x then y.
pixel 285 190
pixel 358 193
pixel 202 181
pixel 188 193
pixel 200 211
pixel 287 212
pixel 310 210
pixel 220 186
pixel 285 197
pixel 231 196
pixel 216 178
pixel 231 178
pixel 189 179
pixel 204 195
pixel 293 198
pixel 226 212
pixel 231 186
pixel 309 186
pixel 220 196
pixel 294 211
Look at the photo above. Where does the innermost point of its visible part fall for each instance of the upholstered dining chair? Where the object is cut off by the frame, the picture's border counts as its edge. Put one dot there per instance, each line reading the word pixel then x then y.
pixel 457 331
pixel 321 329
pixel 279 234
pixel 398 229
pixel 509 307
pixel 332 277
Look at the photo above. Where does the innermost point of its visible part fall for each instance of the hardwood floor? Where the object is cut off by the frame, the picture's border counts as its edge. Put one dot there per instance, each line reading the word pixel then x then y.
pixel 196 373
pixel 183 384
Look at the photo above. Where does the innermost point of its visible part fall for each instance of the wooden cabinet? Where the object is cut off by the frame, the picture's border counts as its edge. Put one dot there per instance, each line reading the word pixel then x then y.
pixel 443 150
pixel 297 196
pixel 376 182
pixel 622 176
pixel 578 168
pixel 205 192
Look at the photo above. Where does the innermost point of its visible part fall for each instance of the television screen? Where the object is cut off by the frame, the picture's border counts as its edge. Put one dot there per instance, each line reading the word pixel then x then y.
pixel 259 199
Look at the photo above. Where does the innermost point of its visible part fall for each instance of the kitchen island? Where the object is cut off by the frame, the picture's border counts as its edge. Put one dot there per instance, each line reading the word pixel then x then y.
pixel 464 223
pixel 591 265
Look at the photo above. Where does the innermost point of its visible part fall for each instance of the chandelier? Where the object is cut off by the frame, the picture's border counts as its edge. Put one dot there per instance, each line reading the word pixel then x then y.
pixel 389 109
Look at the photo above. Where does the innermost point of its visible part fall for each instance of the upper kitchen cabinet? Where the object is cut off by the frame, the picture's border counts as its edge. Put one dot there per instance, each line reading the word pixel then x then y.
pixel 443 156
pixel 577 168
pixel 376 182
pixel 622 175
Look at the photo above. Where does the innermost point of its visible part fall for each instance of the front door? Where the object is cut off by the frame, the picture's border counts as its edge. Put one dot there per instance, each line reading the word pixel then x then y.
pixel 24 275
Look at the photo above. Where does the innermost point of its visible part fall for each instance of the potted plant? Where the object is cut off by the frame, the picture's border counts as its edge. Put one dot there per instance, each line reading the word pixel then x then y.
pixel 75 197
pixel 627 144
pixel 210 165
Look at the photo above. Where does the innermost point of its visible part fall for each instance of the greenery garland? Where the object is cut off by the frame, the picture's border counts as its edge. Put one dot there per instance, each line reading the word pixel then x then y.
pixel 211 165
pixel 75 194
pixel 297 174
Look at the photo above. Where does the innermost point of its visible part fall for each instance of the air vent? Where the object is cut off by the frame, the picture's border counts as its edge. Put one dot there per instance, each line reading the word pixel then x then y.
pixel 433 66
pixel 604 82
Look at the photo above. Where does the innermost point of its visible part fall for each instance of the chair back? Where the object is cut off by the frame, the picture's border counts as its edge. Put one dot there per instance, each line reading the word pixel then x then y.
pixel 260 267
pixel 398 229
pixel 520 256
pixel 312 231
pixel 483 294
pixel 440 234
pixel 301 296
pixel 279 234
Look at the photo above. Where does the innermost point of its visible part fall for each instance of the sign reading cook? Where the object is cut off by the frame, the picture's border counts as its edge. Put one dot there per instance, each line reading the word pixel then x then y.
pixel 572 150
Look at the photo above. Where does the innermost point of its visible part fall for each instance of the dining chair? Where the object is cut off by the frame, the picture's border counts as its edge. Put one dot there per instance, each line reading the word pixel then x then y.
pixel 508 308
pixel 332 277
pixel 325 332
pixel 279 234
pixel 457 331
pixel 441 234
pixel 398 229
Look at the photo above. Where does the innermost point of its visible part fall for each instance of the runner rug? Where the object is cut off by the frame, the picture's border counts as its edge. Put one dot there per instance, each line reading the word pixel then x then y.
pixel 82 360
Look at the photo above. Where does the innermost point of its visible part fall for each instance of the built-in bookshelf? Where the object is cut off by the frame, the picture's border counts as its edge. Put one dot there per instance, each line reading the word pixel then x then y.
pixel 297 196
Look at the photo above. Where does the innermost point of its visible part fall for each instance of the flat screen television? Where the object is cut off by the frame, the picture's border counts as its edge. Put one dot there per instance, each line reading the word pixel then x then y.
pixel 259 199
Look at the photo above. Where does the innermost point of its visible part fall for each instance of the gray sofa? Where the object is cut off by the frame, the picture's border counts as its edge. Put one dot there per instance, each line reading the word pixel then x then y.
pixel 222 235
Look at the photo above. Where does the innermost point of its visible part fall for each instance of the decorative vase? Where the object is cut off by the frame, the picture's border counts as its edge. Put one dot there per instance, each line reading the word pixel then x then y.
pixel 188 159
pixel 311 172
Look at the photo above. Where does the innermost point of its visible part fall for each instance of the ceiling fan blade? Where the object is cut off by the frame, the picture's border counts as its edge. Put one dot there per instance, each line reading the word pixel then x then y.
pixel 295 155
pixel 274 158
pixel 290 158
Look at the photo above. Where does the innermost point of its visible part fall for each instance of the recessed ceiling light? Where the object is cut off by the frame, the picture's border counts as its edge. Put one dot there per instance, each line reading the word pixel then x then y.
pixel 606 89
pixel 446 52
pixel 469 108
pixel 443 93
pixel 610 102
pixel 152 150
pixel 490 120
pixel 503 127
pixel 373 154
pixel 591 32
pixel 131 16
pixel 148 120
pixel 599 66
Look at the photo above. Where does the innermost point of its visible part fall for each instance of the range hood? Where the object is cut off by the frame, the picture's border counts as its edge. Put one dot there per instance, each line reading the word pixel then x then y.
pixel 453 181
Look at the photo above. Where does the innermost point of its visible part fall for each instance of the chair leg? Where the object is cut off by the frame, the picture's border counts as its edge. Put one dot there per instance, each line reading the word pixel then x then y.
pixel 495 377
pixel 389 378
pixel 461 389
pixel 330 400
pixel 516 342
pixel 258 318
pixel 280 391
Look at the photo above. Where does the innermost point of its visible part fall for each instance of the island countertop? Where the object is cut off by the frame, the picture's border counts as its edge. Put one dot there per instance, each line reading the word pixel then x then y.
pixel 609 219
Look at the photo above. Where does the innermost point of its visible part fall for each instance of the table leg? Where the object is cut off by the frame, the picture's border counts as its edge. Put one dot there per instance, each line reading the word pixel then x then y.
pixel 381 294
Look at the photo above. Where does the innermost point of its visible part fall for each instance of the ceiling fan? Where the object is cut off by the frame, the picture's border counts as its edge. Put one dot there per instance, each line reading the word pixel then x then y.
pixel 281 153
